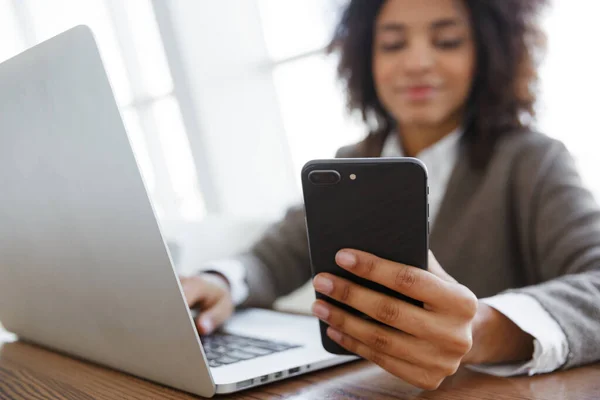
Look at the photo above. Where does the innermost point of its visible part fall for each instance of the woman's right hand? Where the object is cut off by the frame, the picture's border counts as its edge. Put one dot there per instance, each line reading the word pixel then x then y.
pixel 209 293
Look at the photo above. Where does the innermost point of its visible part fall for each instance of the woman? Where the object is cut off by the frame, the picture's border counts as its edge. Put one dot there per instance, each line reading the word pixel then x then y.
pixel 452 83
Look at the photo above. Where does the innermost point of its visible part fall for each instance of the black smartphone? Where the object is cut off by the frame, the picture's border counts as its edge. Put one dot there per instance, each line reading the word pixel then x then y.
pixel 376 205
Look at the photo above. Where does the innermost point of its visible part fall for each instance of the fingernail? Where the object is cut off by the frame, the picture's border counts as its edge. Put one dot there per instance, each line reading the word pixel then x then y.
pixel 345 259
pixel 335 335
pixel 207 325
pixel 323 285
pixel 320 311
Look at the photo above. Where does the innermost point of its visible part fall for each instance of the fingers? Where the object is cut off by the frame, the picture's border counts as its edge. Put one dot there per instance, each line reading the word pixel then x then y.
pixel 213 299
pixel 392 342
pixel 196 290
pixel 435 291
pixel 417 376
pixel 215 316
pixel 427 344
pixel 392 312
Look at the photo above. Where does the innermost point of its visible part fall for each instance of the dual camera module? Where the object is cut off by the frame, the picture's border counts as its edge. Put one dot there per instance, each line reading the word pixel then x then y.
pixel 327 177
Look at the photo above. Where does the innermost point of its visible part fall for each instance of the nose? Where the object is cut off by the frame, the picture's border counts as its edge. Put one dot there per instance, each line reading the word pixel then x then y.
pixel 419 57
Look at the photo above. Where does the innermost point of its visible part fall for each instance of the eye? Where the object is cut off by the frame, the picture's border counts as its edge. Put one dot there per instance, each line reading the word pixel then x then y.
pixel 449 44
pixel 391 47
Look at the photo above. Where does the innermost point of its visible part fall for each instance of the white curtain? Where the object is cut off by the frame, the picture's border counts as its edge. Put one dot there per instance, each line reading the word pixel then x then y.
pixel 570 83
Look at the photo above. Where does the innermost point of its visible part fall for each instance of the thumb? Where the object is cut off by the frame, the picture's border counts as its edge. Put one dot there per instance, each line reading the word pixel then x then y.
pixel 215 316
pixel 436 269
pixel 213 299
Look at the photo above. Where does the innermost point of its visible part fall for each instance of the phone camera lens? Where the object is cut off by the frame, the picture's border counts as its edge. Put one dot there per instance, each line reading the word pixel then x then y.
pixel 324 177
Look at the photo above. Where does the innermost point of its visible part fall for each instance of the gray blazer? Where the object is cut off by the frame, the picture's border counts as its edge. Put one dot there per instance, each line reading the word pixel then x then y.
pixel 524 224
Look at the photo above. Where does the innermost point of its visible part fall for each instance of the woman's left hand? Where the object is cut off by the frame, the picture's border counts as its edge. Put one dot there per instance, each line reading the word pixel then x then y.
pixel 423 346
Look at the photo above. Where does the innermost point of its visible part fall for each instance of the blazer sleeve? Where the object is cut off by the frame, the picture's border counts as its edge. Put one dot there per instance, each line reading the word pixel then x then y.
pixel 279 262
pixel 558 222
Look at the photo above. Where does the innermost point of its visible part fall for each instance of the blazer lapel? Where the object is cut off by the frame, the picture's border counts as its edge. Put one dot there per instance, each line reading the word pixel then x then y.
pixel 445 233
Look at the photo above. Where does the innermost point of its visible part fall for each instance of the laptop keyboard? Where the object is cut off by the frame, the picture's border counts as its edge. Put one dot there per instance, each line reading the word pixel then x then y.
pixel 223 349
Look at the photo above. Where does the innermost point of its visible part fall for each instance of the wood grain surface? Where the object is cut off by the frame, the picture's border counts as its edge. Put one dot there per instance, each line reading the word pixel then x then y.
pixel 31 372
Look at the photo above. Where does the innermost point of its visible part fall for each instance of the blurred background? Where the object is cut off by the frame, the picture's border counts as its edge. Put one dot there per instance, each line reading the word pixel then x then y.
pixel 224 101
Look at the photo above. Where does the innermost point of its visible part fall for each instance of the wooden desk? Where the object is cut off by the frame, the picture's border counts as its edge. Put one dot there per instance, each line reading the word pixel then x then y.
pixel 30 372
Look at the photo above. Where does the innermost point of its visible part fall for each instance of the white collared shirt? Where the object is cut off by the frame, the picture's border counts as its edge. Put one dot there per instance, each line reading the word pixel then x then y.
pixel 550 342
pixel 440 160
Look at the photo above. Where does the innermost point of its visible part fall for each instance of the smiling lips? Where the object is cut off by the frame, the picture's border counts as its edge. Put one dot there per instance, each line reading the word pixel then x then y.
pixel 419 93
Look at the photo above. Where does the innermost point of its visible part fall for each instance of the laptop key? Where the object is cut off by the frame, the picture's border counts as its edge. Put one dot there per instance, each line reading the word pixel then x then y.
pixel 259 351
pixel 244 346
pixel 267 344
pixel 219 350
pixel 238 346
pixel 258 341
pixel 212 356
pixel 227 360
pixel 231 339
pixel 242 355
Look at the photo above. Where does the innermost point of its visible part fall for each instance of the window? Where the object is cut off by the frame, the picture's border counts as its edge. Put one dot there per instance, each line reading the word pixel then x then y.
pixel 296 27
pixel 570 82
pixel 311 101
pixel 12 38
pixel 134 57
pixel 313 109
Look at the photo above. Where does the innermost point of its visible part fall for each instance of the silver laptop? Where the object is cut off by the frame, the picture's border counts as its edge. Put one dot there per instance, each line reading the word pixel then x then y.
pixel 83 266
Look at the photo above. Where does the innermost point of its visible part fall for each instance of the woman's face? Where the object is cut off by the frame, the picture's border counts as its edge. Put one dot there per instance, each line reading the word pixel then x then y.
pixel 423 60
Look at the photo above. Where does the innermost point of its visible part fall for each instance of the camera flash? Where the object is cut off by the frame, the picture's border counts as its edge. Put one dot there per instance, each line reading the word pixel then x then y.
pixel 353 177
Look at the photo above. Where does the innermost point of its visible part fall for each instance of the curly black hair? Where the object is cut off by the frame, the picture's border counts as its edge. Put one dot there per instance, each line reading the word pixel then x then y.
pixel 509 46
